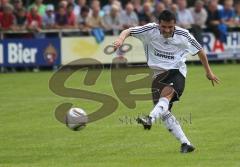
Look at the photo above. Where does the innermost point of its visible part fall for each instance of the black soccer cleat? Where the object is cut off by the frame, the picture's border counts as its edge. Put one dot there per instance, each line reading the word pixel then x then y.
pixel 146 122
pixel 185 148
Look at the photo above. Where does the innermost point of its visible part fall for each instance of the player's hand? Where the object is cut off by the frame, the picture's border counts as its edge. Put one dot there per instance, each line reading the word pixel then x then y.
pixel 213 78
pixel 117 43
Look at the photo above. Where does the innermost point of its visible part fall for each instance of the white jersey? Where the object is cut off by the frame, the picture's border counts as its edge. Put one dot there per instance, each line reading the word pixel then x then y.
pixel 166 53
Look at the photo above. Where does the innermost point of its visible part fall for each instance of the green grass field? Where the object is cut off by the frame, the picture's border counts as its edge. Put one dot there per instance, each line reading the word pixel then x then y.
pixel 31 136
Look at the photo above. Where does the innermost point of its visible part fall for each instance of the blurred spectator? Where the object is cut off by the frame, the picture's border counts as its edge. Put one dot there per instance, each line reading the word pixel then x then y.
pixel 18 5
pixel 213 19
pixel 112 21
pixel 219 5
pixel 82 20
pixel 174 9
pixel 7 18
pixel 185 19
pixel 158 10
pixel 95 22
pixel 21 19
pixel 78 7
pixel 61 17
pixel 137 6
pixel 119 4
pixel 72 2
pixel 34 20
pixel 107 8
pixel 146 16
pixel 200 17
pixel 72 21
pixel 3 3
pixel 129 17
pixel 199 14
pixel 237 14
pixel 226 18
pixel 39 6
pixel 167 4
pixel 49 17
pixel 63 3
pixel 227 13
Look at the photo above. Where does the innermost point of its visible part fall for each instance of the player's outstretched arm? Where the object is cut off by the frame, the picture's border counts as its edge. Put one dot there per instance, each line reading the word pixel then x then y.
pixel 210 75
pixel 119 41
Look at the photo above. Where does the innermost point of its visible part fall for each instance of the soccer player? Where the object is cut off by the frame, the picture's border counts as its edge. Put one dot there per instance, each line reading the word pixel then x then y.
pixel 166 48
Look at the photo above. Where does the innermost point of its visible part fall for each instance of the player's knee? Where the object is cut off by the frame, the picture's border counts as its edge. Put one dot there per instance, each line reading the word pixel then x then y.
pixel 167 92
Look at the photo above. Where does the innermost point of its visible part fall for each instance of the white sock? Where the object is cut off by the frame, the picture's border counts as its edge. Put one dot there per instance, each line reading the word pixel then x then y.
pixel 159 108
pixel 161 111
pixel 174 127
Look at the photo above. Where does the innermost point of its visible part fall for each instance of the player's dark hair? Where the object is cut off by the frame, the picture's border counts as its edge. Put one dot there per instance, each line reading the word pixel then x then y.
pixel 167 15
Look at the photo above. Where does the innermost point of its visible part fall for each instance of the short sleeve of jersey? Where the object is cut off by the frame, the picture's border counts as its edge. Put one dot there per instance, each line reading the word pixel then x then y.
pixel 193 46
pixel 142 32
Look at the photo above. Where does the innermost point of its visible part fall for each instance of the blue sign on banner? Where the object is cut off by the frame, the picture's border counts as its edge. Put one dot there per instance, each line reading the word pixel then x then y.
pixel 31 52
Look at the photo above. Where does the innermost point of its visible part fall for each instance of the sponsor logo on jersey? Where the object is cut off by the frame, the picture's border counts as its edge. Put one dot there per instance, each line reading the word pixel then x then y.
pixel 164 55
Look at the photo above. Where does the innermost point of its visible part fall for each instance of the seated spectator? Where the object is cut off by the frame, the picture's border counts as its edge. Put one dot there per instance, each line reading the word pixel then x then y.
pixel 38 4
pixel 78 7
pixel 21 19
pixel 167 4
pixel 61 17
pixel 159 7
pixel 199 14
pixel 112 21
pixel 237 15
pixel 185 19
pixel 200 17
pixel 107 8
pixel 137 6
pixel 146 16
pixel 128 17
pixel 18 5
pixel 226 18
pixel 63 3
pixel 7 18
pixel 49 17
pixel 2 4
pixel 227 13
pixel 34 20
pixel 95 22
pixel 72 2
pixel 213 19
pixel 82 20
pixel 72 21
pixel 174 9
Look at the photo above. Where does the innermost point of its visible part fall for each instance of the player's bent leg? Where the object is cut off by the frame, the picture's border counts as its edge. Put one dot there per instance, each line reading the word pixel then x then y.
pixel 161 110
pixel 162 105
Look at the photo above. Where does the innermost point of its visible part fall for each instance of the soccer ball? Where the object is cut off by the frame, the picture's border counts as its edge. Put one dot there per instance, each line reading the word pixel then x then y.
pixel 76 119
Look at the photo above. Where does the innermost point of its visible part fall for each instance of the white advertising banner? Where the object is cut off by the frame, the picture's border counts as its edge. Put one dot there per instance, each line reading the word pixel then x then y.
pixel 86 47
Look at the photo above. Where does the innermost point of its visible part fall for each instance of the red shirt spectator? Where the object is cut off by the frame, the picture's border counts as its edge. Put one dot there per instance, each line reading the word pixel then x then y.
pixel 34 19
pixel 71 19
pixel 7 18
pixel 71 16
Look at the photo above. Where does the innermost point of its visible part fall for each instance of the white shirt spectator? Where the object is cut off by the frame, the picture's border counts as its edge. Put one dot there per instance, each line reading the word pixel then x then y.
pixel 49 17
pixel 185 18
pixel 129 20
pixel 199 17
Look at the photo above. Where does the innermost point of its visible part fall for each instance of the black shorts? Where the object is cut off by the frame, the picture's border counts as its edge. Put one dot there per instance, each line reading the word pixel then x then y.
pixel 171 78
